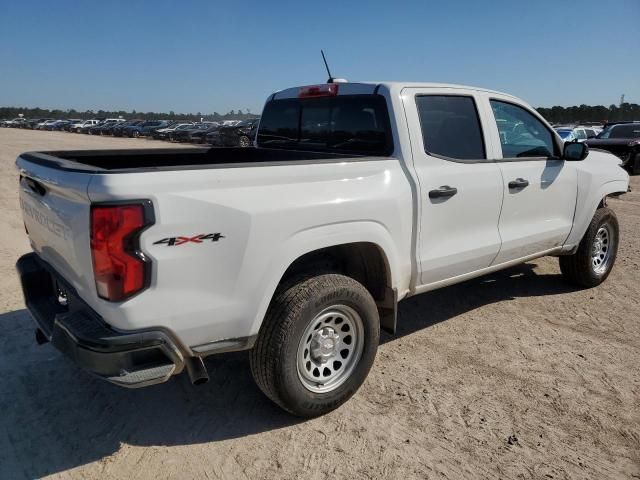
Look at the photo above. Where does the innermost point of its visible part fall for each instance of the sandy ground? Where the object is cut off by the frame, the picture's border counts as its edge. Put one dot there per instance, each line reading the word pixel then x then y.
pixel 515 375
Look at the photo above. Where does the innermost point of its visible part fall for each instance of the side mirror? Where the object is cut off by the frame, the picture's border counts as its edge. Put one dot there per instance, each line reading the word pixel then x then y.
pixel 575 151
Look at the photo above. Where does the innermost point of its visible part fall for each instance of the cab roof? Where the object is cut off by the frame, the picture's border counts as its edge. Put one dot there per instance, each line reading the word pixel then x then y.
pixel 369 88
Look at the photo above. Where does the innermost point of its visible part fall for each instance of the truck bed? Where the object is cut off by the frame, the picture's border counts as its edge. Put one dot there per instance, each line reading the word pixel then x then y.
pixel 123 161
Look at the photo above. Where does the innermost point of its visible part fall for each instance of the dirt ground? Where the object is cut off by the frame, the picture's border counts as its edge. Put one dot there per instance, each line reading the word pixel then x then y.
pixel 515 375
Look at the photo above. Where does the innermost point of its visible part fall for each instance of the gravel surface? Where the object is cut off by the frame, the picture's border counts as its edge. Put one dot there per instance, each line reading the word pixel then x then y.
pixel 513 375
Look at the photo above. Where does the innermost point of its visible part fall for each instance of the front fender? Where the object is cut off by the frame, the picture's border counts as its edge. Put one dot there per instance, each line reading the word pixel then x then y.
pixel 585 212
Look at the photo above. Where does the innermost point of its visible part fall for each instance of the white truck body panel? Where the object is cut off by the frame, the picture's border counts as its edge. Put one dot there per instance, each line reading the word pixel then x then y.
pixel 271 215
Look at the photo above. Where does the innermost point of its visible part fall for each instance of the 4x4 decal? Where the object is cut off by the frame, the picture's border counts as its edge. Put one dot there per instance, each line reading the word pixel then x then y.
pixel 175 241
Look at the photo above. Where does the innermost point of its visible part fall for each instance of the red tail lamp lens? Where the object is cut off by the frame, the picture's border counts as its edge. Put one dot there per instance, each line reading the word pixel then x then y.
pixel 118 272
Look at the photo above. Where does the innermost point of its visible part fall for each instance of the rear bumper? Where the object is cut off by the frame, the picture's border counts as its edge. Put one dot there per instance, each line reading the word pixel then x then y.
pixel 127 358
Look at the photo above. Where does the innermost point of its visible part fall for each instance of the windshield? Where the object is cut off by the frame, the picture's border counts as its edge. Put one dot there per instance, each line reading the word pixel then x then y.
pixel 356 124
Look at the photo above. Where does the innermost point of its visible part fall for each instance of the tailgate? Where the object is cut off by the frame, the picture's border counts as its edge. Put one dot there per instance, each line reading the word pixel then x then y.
pixel 56 211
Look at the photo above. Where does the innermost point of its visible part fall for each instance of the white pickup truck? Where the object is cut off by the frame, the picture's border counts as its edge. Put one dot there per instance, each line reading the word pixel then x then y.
pixel 357 196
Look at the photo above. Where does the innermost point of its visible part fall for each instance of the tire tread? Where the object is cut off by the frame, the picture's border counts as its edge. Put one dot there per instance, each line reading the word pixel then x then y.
pixel 576 268
pixel 284 309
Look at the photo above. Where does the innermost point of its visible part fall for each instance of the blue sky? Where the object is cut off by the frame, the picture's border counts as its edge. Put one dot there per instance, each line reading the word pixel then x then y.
pixel 208 56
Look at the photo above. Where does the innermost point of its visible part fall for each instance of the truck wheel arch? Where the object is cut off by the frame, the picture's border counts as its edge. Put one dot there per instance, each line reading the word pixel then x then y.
pixel 583 217
pixel 364 261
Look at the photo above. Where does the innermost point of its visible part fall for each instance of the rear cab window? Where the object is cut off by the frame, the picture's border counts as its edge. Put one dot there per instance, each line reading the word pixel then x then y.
pixel 357 124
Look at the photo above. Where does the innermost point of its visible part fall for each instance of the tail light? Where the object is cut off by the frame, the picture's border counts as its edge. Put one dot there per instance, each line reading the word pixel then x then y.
pixel 325 90
pixel 119 267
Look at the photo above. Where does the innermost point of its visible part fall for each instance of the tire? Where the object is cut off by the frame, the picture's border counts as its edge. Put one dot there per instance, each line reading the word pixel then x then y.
pixel 592 263
pixel 135 134
pixel 244 141
pixel 288 356
pixel 634 168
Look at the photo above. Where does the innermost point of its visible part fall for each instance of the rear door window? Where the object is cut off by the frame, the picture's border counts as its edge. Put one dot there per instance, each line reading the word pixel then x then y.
pixel 451 127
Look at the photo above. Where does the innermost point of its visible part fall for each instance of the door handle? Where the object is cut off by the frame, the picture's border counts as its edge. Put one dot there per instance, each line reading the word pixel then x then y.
pixel 519 183
pixel 443 191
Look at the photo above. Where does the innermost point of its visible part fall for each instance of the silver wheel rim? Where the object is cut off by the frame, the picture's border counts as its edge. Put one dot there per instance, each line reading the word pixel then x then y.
pixel 330 348
pixel 244 141
pixel 601 250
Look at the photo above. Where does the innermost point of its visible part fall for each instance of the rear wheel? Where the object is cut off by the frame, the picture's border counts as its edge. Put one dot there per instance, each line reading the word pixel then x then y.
pixel 135 134
pixel 634 168
pixel 317 344
pixel 244 141
pixel 592 263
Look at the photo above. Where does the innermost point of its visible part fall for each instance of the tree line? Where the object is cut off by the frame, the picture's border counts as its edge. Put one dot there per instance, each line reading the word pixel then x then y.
pixel 589 113
pixel 557 114
pixel 13 112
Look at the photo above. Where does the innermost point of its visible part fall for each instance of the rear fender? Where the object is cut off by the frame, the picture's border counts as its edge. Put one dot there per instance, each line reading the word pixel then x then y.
pixel 316 238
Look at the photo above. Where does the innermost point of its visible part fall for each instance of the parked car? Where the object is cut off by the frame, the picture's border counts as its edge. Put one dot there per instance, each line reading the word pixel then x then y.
pixel 34 122
pixel 56 125
pixel 45 125
pixel 623 140
pixel 24 124
pixel 106 123
pixel 575 134
pixel 164 133
pixel 184 134
pixel 104 128
pixel 240 135
pixel 15 123
pixel 118 129
pixel 168 134
pixel 357 196
pixel 199 136
pixel 95 129
pixel 83 125
pixel 566 134
pixel 71 122
pixel 145 128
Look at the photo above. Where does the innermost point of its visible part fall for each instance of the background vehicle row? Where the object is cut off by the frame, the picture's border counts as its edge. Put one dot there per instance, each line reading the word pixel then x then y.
pixel 227 133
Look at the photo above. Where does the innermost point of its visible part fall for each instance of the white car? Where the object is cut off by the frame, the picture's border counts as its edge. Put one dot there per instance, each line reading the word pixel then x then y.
pixel 357 196
pixel 14 123
pixel 576 134
pixel 78 127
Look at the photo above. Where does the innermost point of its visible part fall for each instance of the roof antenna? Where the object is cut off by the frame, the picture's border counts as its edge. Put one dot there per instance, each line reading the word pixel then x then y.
pixel 326 65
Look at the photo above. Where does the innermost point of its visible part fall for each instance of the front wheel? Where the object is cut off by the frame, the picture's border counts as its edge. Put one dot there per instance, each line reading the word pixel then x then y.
pixel 316 345
pixel 592 263
pixel 244 141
